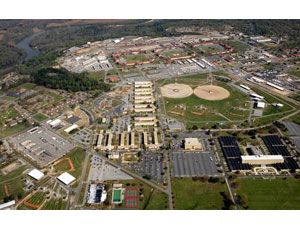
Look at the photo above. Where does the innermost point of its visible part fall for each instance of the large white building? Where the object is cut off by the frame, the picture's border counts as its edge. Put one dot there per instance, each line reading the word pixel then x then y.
pixel 262 159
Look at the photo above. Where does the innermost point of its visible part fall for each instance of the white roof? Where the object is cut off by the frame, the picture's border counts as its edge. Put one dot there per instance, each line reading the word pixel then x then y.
pixel 66 178
pixel 55 122
pixel 261 104
pixel 7 204
pixel 71 128
pixel 36 174
pixel 263 157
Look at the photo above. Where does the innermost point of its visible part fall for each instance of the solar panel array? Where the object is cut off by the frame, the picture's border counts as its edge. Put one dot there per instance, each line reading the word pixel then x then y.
pixel 232 153
pixel 276 147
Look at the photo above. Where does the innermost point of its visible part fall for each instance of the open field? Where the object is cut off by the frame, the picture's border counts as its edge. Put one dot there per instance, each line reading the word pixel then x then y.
pixel 157 201
pixel 194 110
pixel 238 46
pixel 270 194
pixel 39 117
pixel 77 157
pixel 135 58
pixel 174 53
pixel 272 99
pixel 13 130
pixel 12 184
pixel 295 72
pixel 210 48
pixel 197 195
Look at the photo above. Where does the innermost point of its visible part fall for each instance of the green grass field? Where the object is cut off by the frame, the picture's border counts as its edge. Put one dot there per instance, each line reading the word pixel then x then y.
pixel 272 99
pixel 174 53
pixel 196 195
pixel 55 204
pixel 77 156
pixel 237 45
pixel 39 117
pixel 210 48
pixel 136 58
pixel 157 201
pixel 13 182
pixel 270 194
pixel 199 111
pixel 295 72
pixel 295 118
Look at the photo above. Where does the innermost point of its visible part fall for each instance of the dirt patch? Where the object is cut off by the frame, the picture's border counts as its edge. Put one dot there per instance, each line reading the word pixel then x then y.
pixel 176 90
pixel 71 165
pixel 6 190
pixel 211 92
pixel 30 205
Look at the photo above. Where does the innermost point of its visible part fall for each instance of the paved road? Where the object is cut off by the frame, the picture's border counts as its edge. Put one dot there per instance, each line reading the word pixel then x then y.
pixel 81 180
pixel 169 189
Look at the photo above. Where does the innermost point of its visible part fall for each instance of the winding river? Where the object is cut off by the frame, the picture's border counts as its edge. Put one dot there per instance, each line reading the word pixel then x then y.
pixel 25 45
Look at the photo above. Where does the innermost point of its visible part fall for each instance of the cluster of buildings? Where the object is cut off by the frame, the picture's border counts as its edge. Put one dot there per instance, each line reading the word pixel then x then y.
pixel 85 59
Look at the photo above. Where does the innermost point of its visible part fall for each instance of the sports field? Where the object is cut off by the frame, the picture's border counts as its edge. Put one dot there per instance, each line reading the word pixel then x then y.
pixel 238 46
pixel 210 48
pixel 72 162
pixel 197 195
pixel 198 111
pixel 135 57
pixel 39 117
pixel 117 195
pixel 270 194
pixel 174 53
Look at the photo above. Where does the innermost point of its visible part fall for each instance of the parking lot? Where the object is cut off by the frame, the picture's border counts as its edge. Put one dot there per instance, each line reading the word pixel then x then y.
pixel 83 136
pixel 41 145
pixel 150 165
pixel 100 171
pixel 194 164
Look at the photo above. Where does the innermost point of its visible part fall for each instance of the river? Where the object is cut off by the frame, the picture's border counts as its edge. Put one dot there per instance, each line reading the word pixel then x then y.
pixel 25 45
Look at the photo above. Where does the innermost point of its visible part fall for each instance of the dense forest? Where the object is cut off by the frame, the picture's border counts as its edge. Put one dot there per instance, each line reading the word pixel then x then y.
pixel 63 79
pixel 9 55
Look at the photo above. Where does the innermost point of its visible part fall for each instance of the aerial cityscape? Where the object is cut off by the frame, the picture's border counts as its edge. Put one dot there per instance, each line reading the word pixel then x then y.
pixel 149 114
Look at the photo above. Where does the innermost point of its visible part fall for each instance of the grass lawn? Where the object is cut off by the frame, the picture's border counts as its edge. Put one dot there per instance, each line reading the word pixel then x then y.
pixel 13 182
pixel 13 130
pixel 197 195
pixel 210 48
pixel 157 201
pixel 238 45
pixel 174 53
pixel 10 113
pixel 77 156
pixel 135 58
pixel 55 204
pixel 39 117
pixel 295 72
pixel 270 194
pixel 295 118
pixel 272 99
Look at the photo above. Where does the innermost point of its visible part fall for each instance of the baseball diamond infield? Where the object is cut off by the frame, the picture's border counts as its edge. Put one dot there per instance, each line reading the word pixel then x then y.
pixel 211 92
pixel 176 90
